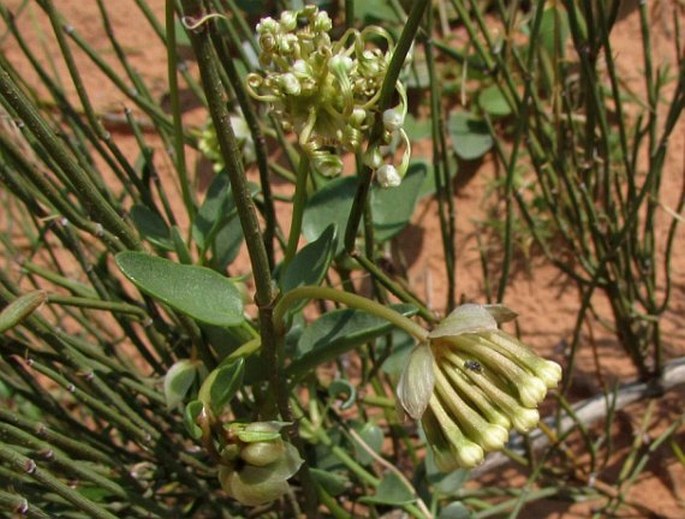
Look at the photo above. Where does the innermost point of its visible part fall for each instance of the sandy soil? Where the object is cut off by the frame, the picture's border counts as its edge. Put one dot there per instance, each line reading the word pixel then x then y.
pixel 546 302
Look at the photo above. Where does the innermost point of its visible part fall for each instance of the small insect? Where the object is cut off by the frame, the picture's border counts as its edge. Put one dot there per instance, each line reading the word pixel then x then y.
pixel 473 365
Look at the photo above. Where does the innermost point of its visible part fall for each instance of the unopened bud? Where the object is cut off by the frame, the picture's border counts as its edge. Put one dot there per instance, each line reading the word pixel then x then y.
pixel 288 20
pixel 393 119
pixel 290 84
pixel 531 390
pixel 263 453
pixel 387 176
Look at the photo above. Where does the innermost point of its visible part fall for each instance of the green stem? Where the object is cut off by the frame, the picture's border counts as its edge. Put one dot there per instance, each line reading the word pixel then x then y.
pixel 384 102
pixel 25 465
pixel 98 208
pixel 97 304
pixel 394 288
pixel 298 210
pixel 351 300
pixel 178 141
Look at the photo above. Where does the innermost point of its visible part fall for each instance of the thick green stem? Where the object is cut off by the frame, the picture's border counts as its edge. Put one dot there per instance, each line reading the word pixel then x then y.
pixel 351 300
pixel 178 141
pixel 96 205
pixel 298 209
pixel 384 102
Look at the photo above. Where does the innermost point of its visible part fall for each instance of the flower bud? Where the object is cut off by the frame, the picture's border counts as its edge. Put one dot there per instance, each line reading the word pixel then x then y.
pixel 358 117
pixel 387 176
pixel 531 390
pixel 290 84
pixel 340 65
pixel 288 21
pixel 327 164
pixel 469 454
pixel 322 22
pixel 267 25
pixel 373 158
pixel 301 68
pixel 524 419
pixel 393 119
pixel 549 372
pixel 263 453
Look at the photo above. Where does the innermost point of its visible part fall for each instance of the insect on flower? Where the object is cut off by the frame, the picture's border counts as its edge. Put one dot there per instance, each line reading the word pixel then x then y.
pixel 473 365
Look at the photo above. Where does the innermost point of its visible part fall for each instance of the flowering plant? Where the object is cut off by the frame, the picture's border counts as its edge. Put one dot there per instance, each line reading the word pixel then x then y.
pixel 470 382
pixel 327 91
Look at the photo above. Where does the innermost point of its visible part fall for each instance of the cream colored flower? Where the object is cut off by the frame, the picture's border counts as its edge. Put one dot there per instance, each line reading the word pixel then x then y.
pixel 326 91
pixel 469 383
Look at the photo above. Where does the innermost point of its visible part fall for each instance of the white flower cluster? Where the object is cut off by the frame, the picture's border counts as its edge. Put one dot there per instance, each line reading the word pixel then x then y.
pixel 327 92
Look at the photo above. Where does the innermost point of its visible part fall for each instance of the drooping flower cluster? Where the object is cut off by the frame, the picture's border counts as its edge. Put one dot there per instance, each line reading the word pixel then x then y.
pixel 470 383
pixel 327 92
pixel 257 463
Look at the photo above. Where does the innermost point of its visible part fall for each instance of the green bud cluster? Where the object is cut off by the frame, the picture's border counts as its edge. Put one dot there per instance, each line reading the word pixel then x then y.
pixel 327 91
pixel 208 143
pixel 470 383
pixel 256 463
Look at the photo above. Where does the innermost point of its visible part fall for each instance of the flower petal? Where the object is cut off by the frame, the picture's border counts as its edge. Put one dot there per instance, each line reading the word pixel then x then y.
pixel 468 318
pixel 416 382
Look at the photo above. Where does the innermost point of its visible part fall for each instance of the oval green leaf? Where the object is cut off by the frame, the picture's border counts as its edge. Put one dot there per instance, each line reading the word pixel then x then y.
pixel 372 436
pixel 199 292
pixel 329 205
pixel 221 385
pixel 309 266
pixel 151 227
pixel 20 309
pixel 178 380
pixel 392 208
pixel 190 415
pixel 337 332
pixel 492 101
pixel 470 136
pixel 392 491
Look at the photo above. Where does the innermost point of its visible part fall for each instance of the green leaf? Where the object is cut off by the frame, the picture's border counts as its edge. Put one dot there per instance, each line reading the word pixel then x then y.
pixel 333 484
pixel 554 26
pixel 372 435
pixel 309 266
pixel 471 138
pixel 226 244
pixel 190 415
pixel 417 129
pixel 256 431
pixel 402 344
pixel 392 491
pixel 336 332
pixel 199 292
pixel 455 510
pixel 393 208
pixel 214 211
pixel 178 380
pixel 492 101
pixel 374 12
pixel 180 246
pixel 329 205
pixel 21 308
pixel 151 227
pixel 182 39
pixel 221 385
